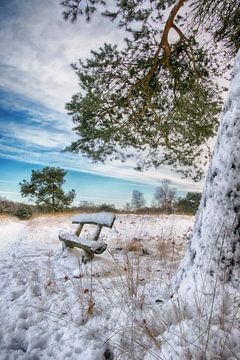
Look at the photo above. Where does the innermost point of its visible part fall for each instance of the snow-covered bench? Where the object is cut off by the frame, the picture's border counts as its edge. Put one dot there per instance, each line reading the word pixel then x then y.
pixel 89 246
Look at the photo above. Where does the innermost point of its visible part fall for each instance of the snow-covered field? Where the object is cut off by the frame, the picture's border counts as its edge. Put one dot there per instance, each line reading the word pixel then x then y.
pixel 54 307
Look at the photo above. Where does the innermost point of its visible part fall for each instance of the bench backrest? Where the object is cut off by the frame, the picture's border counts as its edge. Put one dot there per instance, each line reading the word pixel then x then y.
pixel 102 218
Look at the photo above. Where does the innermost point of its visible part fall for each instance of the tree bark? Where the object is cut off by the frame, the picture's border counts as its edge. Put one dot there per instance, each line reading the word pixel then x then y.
pixel 214 251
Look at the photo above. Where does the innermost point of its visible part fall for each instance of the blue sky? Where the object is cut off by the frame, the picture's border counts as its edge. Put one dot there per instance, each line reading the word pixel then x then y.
pixel 36 80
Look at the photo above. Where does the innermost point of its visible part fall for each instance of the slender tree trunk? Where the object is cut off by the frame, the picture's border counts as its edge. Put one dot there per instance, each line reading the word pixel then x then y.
pixel 214 251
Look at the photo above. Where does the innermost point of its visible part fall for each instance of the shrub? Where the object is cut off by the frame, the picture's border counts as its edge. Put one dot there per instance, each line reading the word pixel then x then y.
pixel 23 212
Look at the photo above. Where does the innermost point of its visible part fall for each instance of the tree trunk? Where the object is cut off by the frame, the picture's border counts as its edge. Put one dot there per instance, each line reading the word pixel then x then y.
pixel 214 251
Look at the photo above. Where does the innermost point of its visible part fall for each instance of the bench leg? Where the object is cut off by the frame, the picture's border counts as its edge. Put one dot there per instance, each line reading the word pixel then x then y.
pixel 97 232
pixel 87 256
pixel 79 229
pixel 64 250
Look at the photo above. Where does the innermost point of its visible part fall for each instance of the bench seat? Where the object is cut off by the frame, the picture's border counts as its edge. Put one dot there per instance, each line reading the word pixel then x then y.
pixel 72 241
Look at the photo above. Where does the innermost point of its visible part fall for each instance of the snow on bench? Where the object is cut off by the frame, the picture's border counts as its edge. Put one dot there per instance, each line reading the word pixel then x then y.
pixel 89 246
pixel 101 218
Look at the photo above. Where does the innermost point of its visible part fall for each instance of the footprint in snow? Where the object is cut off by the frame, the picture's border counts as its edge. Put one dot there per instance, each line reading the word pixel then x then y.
pixel 16 294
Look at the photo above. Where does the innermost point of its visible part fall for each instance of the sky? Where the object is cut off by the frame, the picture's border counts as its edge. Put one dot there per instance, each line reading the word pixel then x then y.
pixel 36 80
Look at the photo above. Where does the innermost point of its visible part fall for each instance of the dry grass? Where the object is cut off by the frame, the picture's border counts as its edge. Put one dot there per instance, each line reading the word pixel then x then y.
pixel 136 246
pixel 58 214
pixel 7 217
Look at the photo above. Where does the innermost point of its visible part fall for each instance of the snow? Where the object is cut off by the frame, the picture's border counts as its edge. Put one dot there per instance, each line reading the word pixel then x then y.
pixel 9 226
pixel 52 307
pixel 117 306
pixel 101 218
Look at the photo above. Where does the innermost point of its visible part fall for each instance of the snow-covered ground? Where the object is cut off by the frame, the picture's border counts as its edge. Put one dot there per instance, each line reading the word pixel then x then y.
pixel 54 307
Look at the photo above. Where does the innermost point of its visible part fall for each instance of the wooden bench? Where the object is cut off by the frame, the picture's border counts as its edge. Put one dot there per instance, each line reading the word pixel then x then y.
pixel 89 246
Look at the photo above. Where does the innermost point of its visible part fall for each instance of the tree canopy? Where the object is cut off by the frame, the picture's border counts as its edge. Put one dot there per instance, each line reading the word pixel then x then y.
pixel 156 98
pixel 45 188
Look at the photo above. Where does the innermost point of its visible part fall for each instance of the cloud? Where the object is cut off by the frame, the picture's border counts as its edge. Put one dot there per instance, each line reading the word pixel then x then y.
pixel 36 136
pixel 152 177
pixel 8 181
pixel 39 47
pixel 9 192
pixel 39 113
pixel 78 163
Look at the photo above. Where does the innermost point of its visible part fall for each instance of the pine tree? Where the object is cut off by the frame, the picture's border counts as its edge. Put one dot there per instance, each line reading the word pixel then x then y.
pixel 189 203
pixel 45 188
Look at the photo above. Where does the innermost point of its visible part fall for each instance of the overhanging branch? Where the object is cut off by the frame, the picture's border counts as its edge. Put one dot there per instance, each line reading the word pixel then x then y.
pixel 163 45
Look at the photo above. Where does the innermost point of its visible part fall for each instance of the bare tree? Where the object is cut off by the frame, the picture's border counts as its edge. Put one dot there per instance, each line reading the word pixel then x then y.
pixel 138 200
pixel 165 197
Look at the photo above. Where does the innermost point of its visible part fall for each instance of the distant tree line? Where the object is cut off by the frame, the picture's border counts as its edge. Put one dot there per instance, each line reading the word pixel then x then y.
pixel 45 189
pixel 19 209
pixel 164 201
pixel 7 206
pixel 90 206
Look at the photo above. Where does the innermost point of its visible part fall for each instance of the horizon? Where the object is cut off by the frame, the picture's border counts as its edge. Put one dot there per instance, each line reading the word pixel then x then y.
pixel 85 184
